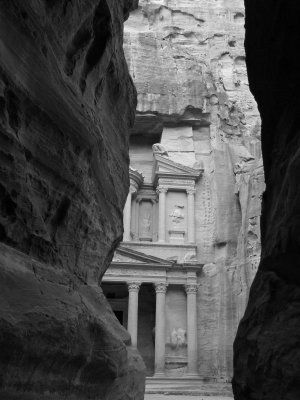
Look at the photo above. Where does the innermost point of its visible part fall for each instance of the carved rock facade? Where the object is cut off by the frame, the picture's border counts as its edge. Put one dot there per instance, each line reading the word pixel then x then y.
pixel 194 105
pixel 66 103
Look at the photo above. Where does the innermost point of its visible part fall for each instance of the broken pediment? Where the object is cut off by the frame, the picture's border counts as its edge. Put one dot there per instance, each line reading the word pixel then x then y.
pixel 129 256
pixel 163 167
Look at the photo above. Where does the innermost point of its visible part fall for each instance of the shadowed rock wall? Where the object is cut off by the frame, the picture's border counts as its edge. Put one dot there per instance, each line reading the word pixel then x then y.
pixel 266 349
pixel 66 103
pixel 187 61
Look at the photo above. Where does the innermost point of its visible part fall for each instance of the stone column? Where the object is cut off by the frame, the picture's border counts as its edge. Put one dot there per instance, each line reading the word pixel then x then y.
pixel 159 365
pixel 127 217
pixel 191 214
pixel 161 213
pixel 191 291
pixel 132 326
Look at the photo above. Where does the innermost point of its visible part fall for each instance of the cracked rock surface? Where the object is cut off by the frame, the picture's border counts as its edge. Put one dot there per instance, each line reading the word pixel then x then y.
pixel 66 103
pixel 187 61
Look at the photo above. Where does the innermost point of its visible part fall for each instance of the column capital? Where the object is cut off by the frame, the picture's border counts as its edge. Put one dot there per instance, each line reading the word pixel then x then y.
pixel 161 287
pixel 191 288
pixel 161 189
pixel 191 190
pixel 133 286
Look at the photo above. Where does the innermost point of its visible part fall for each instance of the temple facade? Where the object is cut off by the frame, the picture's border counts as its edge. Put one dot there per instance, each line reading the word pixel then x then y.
pixel 152 282
pixel 178 282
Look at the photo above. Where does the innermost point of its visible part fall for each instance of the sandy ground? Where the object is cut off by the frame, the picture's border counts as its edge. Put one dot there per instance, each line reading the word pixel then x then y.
pixel 180 397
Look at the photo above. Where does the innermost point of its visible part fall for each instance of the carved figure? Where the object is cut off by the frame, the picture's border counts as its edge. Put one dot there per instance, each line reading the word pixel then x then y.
pixel 178 338
pixel 160 149
pixel 181 337
pixel 177 215
pixel 174 338
pixel 146 223
pixel 189 256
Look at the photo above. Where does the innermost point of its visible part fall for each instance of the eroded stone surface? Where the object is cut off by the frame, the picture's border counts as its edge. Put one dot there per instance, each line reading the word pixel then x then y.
pixel 266 349
pixel 66 103
pixel 188 63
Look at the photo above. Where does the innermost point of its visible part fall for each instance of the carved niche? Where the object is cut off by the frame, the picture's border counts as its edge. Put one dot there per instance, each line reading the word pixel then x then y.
pixel 145 215
pixel 177 216
pixel 145 220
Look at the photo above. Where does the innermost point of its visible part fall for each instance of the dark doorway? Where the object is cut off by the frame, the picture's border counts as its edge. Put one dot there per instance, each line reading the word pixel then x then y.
pixel 117 296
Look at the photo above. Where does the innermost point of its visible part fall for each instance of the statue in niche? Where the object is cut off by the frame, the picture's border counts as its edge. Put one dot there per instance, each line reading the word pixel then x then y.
pixel 177 215
pixel 160 149
pixel 146 224
pixel 178 338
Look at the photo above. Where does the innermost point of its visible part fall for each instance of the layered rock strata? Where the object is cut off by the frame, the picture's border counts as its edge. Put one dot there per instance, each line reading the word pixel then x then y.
pixel 266 349
pixel 187 61
pixel 66 103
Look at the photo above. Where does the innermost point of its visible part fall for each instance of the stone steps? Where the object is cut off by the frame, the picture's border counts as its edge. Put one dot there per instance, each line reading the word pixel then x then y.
pixel 187 386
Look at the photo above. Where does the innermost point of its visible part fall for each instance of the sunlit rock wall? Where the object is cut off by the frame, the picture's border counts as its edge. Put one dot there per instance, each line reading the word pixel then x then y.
pixel 267 350
pixel 187 61
pixel 66 103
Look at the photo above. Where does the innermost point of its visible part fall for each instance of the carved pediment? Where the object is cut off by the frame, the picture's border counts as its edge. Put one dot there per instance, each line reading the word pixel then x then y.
pixel 165 168
pixel 128 256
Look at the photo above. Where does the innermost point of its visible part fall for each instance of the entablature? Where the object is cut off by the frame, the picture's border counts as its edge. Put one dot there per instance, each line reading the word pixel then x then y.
pixel 130 264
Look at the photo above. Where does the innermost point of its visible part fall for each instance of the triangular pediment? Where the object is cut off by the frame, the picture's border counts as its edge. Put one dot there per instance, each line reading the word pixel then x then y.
pixel 127 255
pixel 164 166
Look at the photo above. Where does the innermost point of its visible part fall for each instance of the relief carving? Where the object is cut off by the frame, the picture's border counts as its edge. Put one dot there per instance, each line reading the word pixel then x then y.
pixel 190 256
pixel 177 215
pixel 158 148
pixel 178 338
pixel 145 225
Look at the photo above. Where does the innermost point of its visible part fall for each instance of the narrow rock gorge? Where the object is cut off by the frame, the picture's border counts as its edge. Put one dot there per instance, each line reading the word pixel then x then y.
pixel 187 61
pixel 266 349
pixel 66 104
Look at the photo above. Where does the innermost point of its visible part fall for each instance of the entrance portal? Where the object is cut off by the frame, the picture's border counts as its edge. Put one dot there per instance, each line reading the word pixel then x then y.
pixel 117 296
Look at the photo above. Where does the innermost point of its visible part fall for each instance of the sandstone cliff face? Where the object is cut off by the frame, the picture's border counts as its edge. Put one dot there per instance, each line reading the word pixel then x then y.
pixel 187 61
pixel 266 349
pixel 66 103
